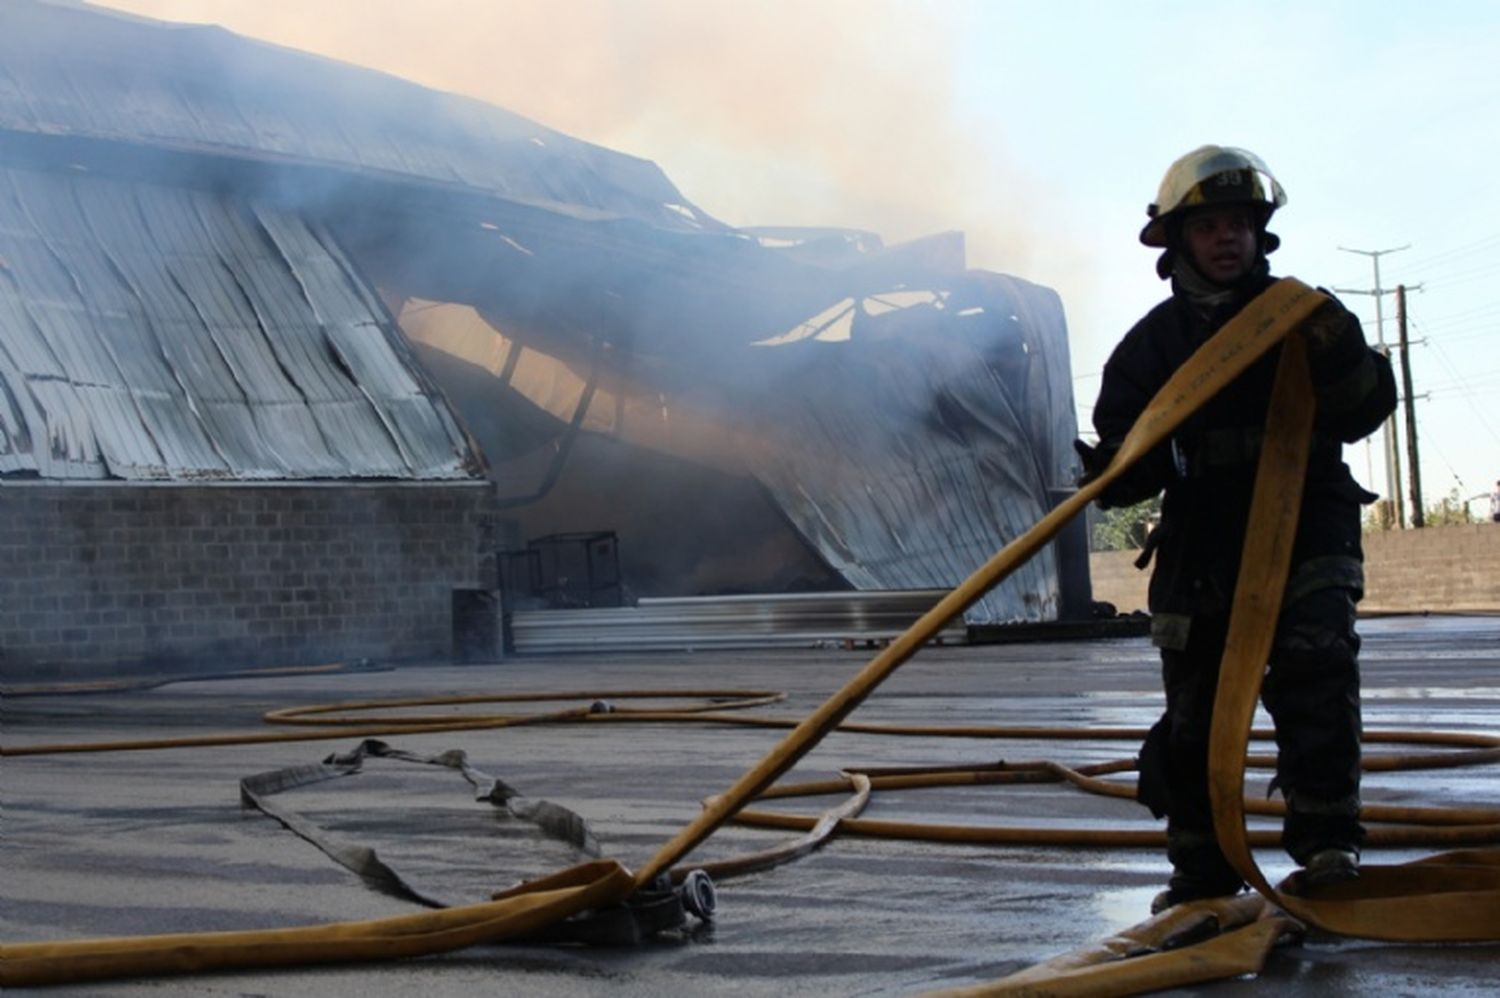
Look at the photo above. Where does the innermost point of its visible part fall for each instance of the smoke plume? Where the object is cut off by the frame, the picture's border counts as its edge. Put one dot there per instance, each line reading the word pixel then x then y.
pixel 842 112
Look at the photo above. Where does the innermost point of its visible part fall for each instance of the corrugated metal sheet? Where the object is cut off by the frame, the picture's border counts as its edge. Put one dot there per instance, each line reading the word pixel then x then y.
pixel 152 332
pixel 795 620
pixel 75 71
pixel 908 460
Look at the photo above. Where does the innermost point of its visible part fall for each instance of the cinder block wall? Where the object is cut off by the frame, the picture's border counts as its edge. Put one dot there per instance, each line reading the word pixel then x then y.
pixel 1116 580
pixel 98 578
pixel 1438 569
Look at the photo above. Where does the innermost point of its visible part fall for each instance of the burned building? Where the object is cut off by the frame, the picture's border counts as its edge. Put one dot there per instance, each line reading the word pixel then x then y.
pixel 292 352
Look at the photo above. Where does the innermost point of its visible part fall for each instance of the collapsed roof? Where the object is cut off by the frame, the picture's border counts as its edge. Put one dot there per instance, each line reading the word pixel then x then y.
pixel 228 233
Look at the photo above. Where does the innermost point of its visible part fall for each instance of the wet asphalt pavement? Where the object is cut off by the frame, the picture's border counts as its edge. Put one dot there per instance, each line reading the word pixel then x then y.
pixel 131 843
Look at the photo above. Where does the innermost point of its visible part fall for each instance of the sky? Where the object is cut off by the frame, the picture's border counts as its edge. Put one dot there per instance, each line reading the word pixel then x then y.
pixel 1040 128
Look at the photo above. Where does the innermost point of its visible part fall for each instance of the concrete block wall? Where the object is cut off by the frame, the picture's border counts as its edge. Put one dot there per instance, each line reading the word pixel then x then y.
pixel 1115 579
pixel 1437 569
pixel 99 578
pixel 1442 569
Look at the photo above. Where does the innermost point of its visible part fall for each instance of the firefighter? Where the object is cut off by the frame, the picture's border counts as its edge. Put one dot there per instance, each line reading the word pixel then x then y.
pixel 1209 221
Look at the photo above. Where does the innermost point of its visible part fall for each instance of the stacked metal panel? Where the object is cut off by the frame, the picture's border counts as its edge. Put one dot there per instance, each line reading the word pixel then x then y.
pixel 788 620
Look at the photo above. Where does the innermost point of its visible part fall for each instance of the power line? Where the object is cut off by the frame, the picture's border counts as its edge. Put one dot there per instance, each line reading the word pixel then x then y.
pixel 1472 273
pixel 1472 378
pixel 1479 413
pixel 1424 263
pixel 1455 335
pixel 1464 390
pixel 1442 321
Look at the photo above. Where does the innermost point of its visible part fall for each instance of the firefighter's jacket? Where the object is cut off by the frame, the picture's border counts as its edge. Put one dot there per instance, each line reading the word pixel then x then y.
pixel 1207 467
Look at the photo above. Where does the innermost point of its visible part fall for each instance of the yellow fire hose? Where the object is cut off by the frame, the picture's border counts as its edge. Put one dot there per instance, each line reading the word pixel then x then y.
pixel 1188 944
pixel 539 904
pixel 340 727
pixel 1417 901
pixel 1451 897
pixel 1406 826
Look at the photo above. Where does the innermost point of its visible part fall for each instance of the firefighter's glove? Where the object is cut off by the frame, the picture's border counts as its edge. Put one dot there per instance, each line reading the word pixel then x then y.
pixel 1329 328
pixel 1336 353
pixel 1093 459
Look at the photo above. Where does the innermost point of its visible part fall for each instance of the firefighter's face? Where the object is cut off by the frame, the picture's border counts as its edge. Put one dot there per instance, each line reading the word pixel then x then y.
pixel 1221 242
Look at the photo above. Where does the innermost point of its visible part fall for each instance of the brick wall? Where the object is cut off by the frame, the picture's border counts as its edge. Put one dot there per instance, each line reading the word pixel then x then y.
pixel 101 577
pixel 1438 569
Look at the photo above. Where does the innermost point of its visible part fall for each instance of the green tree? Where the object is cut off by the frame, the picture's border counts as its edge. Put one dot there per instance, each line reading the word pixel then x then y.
pixel 1450 509
pixel 1453 508
pixel 1124 529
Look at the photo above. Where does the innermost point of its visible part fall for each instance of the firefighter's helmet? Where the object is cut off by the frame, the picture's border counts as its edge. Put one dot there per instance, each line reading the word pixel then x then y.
pixel 1212 175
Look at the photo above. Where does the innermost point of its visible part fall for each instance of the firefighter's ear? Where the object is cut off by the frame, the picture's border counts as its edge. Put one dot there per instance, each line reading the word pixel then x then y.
pixel 1166 263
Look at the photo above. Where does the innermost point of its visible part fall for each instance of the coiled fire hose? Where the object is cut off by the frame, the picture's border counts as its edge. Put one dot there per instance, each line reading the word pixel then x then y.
pixel 1455 896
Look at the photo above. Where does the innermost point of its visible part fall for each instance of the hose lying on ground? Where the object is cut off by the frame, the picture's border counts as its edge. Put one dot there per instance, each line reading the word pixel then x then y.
pixel 1257 328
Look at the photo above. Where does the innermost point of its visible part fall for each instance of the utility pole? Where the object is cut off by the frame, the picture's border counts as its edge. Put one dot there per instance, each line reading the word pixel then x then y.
pixel 1392 447
pixel 1415 477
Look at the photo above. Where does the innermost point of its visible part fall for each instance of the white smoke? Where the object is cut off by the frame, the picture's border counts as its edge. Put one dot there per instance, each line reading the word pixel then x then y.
pixel 780 112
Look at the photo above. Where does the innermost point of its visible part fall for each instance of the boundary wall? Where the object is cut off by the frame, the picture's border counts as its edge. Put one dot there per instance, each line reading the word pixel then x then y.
pixel 1450 569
